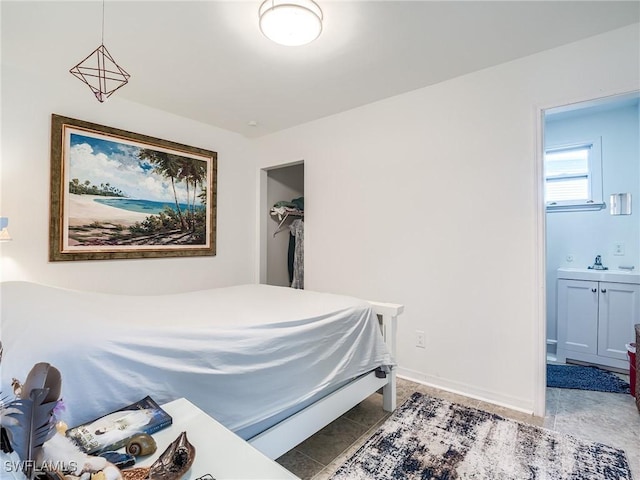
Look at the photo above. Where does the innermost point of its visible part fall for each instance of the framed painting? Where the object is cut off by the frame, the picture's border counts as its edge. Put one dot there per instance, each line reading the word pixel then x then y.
pixel 117 195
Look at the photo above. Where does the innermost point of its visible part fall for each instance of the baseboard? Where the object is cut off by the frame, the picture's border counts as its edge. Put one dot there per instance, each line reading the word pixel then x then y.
pixel 513 403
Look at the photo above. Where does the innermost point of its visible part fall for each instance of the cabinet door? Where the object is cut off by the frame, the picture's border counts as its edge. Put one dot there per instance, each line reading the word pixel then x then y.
pixel 578 316
pixel 619 310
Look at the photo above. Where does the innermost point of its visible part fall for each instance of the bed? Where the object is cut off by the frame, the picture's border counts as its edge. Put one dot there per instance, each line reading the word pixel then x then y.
pixel 272 364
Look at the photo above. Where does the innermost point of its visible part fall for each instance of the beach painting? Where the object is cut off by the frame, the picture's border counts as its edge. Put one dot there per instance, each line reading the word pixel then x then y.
pixel 117 195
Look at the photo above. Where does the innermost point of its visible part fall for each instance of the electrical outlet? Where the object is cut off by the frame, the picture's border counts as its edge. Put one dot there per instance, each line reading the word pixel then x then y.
pixel 420 339
pixel 569 258
pixel 618 248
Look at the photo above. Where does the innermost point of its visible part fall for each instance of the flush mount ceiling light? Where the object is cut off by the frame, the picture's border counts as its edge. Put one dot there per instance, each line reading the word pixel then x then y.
pixel 100 71
pixel 290 22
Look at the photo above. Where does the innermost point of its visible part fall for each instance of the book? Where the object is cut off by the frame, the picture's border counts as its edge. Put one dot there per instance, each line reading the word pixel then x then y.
pixel 113 431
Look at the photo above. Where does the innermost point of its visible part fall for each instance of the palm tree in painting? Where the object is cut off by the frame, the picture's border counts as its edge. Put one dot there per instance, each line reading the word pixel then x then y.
pixel 167 165
pixel 193 172
pixel 186 168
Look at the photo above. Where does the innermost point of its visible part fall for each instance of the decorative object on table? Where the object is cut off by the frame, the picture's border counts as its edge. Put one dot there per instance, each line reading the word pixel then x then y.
pixel 141 445
pixel 100 72
pixel 432 438
pixel 174 462
pixel 29 418
pixel 17 387
pixel 61 455
pixel 114 430
pixel 120 460
pixel 581 377
pixel 119 195
pixel 138 473
pixel 36 445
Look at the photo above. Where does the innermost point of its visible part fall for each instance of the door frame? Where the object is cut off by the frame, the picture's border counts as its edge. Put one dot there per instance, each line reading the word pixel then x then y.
pixel 262 214
pixel 540 326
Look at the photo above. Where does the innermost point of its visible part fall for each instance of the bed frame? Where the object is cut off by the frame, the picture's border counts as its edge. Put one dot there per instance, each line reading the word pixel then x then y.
pixel 291 431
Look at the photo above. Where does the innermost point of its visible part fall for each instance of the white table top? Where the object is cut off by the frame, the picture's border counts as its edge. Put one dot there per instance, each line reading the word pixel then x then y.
pixel 219 451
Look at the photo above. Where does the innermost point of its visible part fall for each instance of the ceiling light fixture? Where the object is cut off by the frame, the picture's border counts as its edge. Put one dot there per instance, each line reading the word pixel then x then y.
pixel 290 22
pixel 100 71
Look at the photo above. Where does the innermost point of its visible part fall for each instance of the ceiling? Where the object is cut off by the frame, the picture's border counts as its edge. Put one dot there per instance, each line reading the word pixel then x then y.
pixel 208 61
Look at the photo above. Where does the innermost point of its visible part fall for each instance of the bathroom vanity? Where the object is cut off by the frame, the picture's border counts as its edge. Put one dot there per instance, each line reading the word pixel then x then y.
pixel 597 311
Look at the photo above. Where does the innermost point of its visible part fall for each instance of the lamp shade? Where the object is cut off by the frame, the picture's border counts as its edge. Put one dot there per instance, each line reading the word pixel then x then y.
pixel 290 22
pixel 4 231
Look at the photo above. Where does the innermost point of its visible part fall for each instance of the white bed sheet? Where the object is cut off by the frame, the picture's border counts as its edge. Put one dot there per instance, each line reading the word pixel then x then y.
pixel 243 354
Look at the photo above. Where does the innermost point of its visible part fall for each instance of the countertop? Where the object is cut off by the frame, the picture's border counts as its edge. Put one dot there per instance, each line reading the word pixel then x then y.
pixel 612 275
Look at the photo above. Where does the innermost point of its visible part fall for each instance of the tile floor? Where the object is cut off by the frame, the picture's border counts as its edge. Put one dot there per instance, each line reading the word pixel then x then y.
pixel 608 418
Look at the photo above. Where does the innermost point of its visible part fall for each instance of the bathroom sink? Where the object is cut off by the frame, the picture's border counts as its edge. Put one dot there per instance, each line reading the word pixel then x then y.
pixel 613 275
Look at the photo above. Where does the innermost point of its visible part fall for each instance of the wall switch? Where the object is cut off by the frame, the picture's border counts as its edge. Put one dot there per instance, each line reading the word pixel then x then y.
pixel 618 248
pixel 420 339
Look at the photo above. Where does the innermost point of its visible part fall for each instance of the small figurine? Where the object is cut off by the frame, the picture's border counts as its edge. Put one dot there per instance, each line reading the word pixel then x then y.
pixel 140 445
pixel 17 387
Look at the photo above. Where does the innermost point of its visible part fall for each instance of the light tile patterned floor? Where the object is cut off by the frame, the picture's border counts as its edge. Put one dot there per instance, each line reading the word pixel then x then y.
pixel 608 418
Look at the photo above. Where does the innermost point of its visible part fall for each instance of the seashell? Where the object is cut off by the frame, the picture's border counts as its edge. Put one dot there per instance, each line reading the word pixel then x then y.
pixel 175 461
pixel 141 444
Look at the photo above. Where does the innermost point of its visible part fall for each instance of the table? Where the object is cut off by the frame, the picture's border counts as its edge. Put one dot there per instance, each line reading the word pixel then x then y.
pixel 219 452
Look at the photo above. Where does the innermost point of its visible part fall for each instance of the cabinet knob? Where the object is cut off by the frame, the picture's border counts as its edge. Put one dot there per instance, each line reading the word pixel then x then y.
pixel 604 290
pixel 594 290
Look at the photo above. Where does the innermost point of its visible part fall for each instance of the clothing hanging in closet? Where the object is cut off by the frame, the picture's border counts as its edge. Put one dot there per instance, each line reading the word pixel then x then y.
pixel 296 251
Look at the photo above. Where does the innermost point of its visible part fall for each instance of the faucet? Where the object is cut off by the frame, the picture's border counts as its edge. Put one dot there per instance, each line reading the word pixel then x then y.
pixel 597 264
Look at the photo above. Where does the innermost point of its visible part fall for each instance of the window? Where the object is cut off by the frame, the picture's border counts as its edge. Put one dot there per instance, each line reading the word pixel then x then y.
pixel 573 177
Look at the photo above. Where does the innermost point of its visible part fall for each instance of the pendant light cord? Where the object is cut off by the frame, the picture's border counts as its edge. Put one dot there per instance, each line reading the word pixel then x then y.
pixel 102 22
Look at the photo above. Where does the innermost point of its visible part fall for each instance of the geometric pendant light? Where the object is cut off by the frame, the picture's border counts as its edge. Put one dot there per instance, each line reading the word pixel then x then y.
pixel 100 71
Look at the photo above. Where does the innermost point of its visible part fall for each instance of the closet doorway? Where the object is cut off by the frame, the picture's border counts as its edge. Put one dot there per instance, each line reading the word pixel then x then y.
pixel 279 187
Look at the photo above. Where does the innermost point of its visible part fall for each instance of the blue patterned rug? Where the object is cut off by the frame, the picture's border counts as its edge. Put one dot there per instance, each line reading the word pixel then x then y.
pixel 585 378
pixel 429 438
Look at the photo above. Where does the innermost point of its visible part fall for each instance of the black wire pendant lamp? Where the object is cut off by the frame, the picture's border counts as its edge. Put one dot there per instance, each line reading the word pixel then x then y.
pixel 100 71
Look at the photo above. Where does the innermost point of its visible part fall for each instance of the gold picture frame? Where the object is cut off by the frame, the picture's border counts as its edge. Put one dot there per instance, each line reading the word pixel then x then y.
pixel 120 195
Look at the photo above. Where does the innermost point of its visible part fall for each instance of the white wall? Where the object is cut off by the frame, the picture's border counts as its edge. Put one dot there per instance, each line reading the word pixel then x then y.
pixel 430 199
pixel 583 235
pixel 27 104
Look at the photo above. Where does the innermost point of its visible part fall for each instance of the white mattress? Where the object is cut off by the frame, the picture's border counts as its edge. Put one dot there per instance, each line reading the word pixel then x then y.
pixel 243 354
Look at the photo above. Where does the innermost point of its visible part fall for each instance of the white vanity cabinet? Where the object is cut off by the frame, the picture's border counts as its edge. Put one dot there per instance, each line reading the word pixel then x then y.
pixel 597 311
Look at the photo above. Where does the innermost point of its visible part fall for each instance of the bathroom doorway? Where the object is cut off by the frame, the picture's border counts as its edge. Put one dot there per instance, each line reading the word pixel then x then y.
pixel 591 150
pixel 577 234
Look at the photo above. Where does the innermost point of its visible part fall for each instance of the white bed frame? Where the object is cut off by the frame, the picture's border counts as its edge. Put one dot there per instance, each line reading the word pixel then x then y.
pixel 285 435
